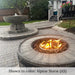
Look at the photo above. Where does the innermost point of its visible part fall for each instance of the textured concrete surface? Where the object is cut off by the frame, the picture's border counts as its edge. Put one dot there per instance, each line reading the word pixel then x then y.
pixel 42 24
pixel 4 33
pixel 17 24
pixel 31 30
pixel 65 58
pixel 8 49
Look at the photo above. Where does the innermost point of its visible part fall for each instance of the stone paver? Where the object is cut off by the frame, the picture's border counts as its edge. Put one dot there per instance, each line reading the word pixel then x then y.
pixel 8 53
pixel 32 29
pixel 4 35
pixel 8 49
pixel 42 24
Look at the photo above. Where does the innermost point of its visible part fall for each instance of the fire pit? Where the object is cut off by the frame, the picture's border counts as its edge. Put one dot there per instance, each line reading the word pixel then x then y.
pixel 50 45
pixel 47 51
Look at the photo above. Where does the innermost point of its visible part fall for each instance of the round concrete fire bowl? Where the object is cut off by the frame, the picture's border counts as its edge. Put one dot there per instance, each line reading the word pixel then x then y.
pixel 17 25
pixel 17 29
pixel 31 55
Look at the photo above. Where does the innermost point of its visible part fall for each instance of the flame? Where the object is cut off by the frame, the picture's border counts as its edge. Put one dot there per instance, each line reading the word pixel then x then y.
pixel 47 45
pixel 51 44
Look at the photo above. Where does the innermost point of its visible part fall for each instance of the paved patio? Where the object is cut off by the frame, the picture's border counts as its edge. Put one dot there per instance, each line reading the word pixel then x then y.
pixel 9 48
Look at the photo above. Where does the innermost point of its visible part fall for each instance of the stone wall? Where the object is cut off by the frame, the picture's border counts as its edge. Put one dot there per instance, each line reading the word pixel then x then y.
pixel 9 12
pixel 6 12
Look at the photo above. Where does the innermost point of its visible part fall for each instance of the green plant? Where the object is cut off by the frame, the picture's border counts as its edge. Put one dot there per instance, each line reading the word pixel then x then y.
pixel 18 4
pixel 39 9
pixel 67 24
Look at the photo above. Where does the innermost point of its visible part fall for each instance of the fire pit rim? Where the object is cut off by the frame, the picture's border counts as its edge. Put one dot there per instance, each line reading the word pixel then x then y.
pixel 51 64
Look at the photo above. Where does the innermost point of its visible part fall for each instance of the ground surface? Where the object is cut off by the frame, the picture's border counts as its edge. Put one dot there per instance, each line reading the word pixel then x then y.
pixel 8 49
pixel 67 23
pixel 72 30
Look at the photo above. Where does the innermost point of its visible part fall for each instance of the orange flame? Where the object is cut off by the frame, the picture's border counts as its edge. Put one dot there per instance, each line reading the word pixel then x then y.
pixel 50 44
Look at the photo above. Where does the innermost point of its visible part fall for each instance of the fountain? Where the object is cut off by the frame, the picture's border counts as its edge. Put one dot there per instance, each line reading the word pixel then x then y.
pixel 17 25
pixel 17 29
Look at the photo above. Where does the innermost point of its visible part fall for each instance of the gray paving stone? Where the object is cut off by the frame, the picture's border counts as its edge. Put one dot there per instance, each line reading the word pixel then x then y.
pixel 8 49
